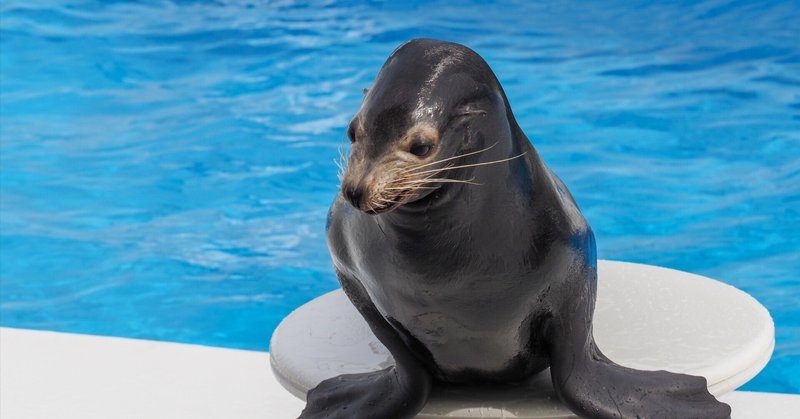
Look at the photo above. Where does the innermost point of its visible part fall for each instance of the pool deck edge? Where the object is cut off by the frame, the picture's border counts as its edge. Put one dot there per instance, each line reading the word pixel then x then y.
pixel 53 374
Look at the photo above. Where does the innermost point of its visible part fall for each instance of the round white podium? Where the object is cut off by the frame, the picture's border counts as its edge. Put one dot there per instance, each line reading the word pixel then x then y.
pixel 647 317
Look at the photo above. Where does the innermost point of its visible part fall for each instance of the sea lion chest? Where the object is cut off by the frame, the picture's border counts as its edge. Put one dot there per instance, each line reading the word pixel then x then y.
pixel 459 292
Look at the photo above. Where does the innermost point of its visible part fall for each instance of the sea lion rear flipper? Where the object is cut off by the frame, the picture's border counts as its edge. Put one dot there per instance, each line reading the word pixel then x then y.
pixel 593 386
pixel 395 392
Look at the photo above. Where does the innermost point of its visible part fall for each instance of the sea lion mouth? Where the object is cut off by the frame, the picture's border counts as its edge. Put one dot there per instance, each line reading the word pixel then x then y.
pixel 382 210
pixel 371 210
pixel 407 197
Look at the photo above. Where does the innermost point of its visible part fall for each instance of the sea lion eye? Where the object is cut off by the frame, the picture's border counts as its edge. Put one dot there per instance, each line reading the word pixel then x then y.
pixel 421 149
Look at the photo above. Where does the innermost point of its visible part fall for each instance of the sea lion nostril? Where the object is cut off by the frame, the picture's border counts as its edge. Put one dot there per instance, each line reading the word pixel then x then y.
pixel 353 194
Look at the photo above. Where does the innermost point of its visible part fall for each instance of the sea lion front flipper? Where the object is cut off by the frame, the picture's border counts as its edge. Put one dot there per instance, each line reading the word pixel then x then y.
pixel 593 386
pixel 395 392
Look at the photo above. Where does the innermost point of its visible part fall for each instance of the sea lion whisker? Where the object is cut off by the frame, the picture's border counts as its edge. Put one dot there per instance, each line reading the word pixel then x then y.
pixel 342 162
pixel 463 166
pixel 404 189
pixel 339 165
pixel 433 179
pixel 415 176
pixel 445 180
pixel 423 181
pixel 411 169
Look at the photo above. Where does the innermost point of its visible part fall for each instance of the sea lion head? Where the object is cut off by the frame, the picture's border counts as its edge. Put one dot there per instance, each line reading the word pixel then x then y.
pixel 433 109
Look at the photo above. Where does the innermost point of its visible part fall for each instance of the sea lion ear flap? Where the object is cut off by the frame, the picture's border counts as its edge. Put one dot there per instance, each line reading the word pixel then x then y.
pixel 365 91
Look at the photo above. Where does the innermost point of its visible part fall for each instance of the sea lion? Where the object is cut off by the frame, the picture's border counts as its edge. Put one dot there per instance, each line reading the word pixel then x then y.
pixel 467 256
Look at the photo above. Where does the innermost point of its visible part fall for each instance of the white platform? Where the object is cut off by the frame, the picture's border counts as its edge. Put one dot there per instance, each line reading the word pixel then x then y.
pixel 647 317
pixel 48 375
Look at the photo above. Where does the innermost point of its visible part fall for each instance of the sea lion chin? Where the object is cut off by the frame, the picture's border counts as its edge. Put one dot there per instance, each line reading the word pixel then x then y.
pixel 467 257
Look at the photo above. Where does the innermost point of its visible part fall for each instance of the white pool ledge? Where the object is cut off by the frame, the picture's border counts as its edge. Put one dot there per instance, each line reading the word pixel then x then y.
pixel 59 375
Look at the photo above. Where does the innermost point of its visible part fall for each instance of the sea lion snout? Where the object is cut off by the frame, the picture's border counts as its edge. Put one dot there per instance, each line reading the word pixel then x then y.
pixel 355 186
pixel 382 174
pixel 381 186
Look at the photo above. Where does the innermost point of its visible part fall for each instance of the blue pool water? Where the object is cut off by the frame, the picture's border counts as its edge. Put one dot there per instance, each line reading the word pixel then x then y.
pixel 166 167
